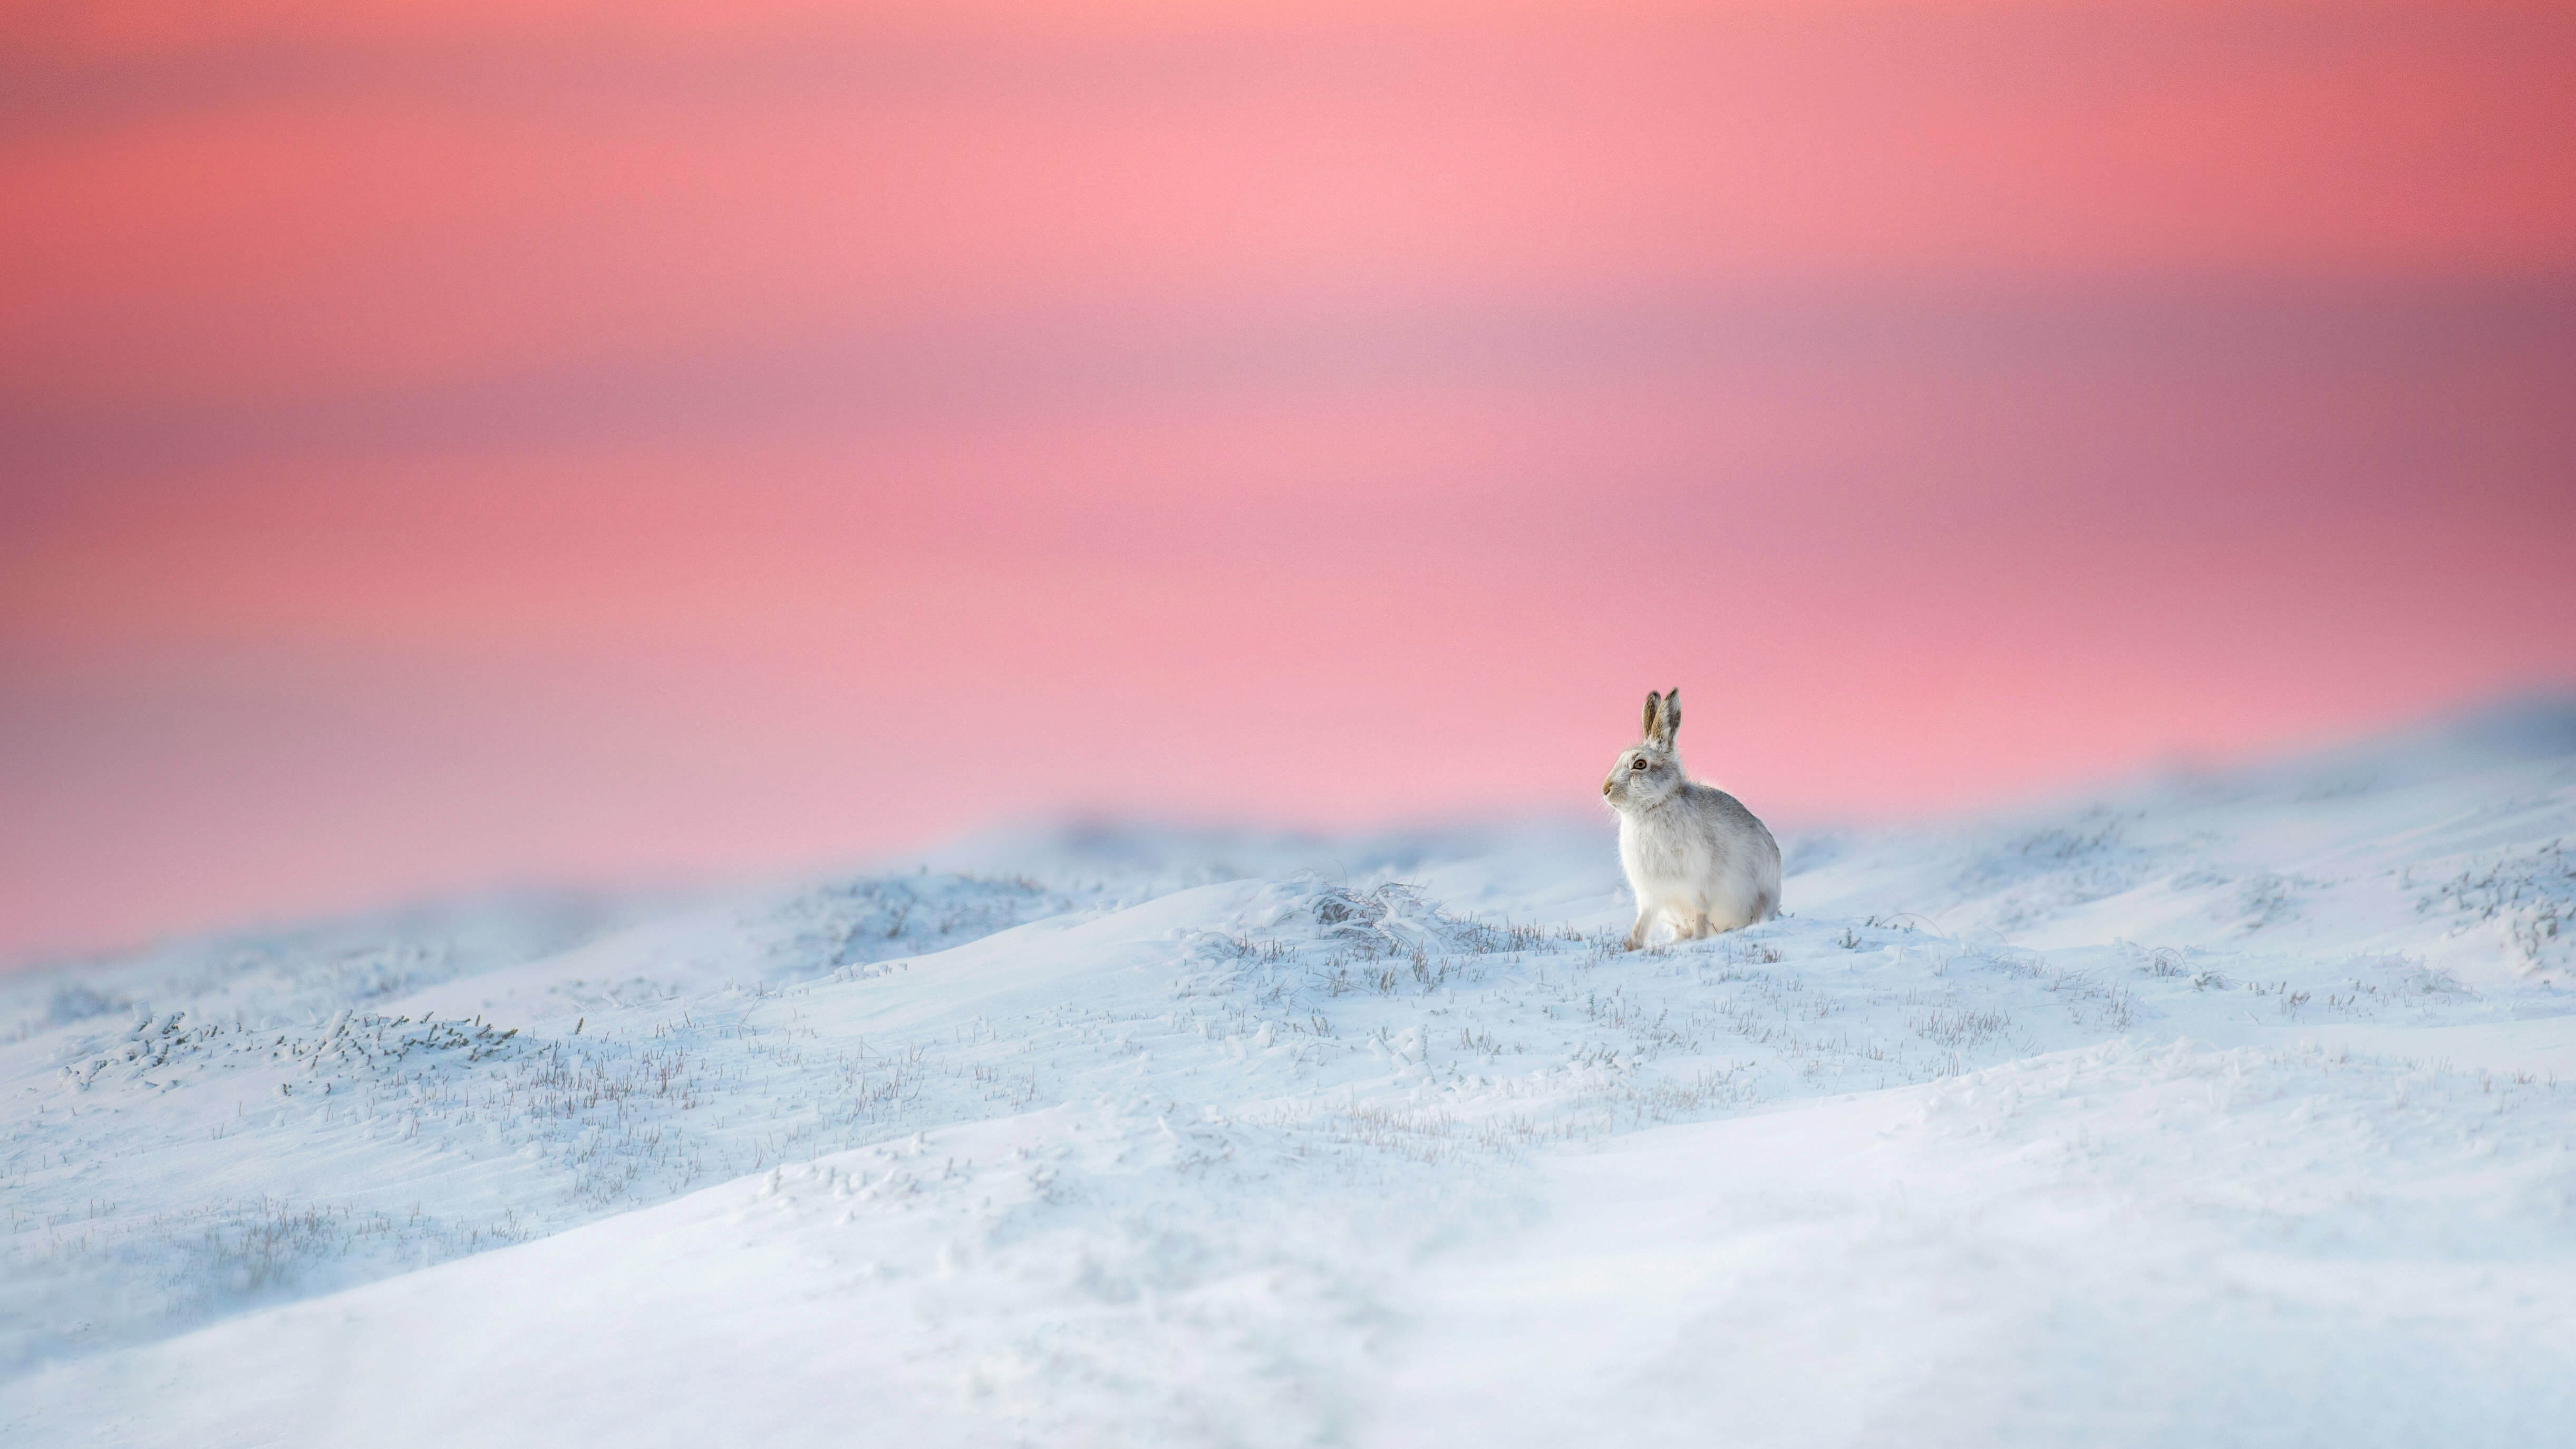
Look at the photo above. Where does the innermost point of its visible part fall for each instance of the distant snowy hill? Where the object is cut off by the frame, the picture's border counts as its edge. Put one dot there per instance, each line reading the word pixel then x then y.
pixel 2236 1108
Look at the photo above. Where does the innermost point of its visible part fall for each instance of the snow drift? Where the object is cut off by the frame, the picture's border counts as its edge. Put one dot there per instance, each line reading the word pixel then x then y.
pixel 2231 1108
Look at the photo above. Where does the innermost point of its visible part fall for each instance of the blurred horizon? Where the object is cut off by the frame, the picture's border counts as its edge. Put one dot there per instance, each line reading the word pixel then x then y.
pixel 448 446
pixel 2508 725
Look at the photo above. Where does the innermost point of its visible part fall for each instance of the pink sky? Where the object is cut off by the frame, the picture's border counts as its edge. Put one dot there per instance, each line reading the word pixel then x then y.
pixel 454 444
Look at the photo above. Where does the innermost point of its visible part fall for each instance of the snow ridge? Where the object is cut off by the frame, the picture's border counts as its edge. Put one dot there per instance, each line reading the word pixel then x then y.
pixel 2229 1109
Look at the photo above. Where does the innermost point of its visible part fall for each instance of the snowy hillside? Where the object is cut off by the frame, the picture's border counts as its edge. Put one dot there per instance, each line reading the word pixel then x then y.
pixel 2230 1109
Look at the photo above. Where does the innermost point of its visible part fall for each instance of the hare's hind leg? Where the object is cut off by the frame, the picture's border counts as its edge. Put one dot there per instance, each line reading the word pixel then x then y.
pixel 1700 926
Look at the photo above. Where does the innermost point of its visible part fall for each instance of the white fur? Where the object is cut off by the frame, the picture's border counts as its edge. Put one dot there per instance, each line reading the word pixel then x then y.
pixel 1694 855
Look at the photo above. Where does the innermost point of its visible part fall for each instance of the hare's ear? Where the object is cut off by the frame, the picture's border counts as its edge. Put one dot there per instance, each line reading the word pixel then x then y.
pixel 1663 717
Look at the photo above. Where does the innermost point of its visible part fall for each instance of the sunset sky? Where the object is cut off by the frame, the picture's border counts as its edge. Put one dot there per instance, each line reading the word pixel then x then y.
pixel 453 444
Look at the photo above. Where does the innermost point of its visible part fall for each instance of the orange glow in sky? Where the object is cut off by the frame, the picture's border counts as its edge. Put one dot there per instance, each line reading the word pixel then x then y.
pixel 450 444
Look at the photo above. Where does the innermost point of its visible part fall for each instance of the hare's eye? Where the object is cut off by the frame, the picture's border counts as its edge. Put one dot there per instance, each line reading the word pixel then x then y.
pixel 1636 764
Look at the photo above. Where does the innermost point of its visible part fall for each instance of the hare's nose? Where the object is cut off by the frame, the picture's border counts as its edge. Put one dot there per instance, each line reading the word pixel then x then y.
pixel 1606 784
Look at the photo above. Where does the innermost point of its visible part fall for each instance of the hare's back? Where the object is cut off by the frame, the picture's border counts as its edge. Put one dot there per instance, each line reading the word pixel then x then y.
pixel 1725 817
pixel 1738 840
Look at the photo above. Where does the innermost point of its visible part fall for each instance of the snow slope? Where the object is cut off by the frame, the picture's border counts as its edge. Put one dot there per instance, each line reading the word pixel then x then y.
pixel 2224 1109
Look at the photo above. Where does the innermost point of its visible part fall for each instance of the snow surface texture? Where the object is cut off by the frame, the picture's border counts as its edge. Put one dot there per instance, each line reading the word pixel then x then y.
pixel 2231 1110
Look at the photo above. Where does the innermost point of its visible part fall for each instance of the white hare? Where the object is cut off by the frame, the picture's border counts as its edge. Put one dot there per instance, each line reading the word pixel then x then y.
pixel 1693 853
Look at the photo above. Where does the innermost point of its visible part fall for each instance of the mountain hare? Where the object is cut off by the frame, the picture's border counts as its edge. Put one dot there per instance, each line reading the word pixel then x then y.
pixel 1693 853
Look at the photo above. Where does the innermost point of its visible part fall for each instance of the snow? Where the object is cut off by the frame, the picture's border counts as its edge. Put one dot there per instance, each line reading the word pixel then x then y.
pixel 2222 1108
